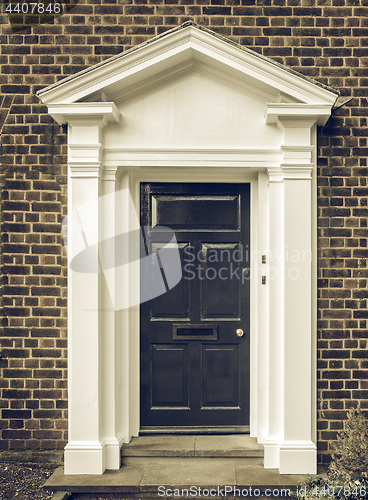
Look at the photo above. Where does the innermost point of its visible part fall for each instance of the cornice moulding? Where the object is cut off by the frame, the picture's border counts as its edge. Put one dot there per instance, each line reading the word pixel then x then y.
pixel 186 43
pixel 85 169
pixel 87 147
pixel 297 112
pixel 84 112
pixel 302 171
pixel 297 149
pixel 192 157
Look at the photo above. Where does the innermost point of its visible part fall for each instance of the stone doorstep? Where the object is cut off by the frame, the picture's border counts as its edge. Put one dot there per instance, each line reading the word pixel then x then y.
pixel 180 461
pixel 214 446
pixel 131 481
pixel 171 450
pixel 188 461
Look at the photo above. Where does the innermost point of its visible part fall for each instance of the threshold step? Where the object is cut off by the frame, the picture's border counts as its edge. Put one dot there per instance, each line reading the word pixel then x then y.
pixel 207 446
pixel 146 461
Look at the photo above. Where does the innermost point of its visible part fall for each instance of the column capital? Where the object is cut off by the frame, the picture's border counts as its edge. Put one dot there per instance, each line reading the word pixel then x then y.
pixel 288 171
pixel 297 114
pixel 299 171
pixel 275 174
pixel 98 113
pixel 296 163
pixel 86 121
pixel 85 169
pixel 109 173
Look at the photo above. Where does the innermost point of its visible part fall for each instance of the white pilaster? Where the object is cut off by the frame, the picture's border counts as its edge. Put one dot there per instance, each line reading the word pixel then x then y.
pixel 93 445
pixel 109 347
pixel 84 450
pixel 261 350
pixel 276 316
pixel 289 446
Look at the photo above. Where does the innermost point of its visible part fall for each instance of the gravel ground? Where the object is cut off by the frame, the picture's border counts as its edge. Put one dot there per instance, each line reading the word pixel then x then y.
pixel 23 481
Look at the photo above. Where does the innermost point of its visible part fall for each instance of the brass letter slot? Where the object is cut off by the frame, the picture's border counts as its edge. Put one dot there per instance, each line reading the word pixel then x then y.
pixel 194 332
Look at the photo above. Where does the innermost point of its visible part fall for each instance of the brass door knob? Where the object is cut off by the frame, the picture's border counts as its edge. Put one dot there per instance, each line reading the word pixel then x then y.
pixel 239 332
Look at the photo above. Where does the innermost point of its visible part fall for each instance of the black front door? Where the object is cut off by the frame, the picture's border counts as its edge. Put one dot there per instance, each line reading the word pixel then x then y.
pixel 194 364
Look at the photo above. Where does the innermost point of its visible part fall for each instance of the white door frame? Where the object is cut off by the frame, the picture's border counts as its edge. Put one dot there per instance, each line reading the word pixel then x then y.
pixel 110 151
pixel 208 175
pixel 283 315
pixel 262 414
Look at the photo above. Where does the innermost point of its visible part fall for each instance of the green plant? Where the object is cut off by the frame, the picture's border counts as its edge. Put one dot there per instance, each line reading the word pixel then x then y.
pixel 351 462
pixel 347 475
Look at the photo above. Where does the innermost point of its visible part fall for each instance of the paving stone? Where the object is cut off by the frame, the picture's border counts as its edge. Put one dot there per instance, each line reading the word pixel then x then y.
pixel 230 446
pixel 258 476
pixel 127 477
pixel 178 476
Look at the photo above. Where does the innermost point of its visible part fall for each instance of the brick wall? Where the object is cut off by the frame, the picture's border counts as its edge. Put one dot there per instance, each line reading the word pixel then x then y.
pixel 324 39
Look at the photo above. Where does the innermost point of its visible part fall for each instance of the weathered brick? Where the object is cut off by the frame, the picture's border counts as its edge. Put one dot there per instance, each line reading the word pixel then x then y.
pixel 15 89
pixel 16 394
pixel 45 291
pixel 335 353
pixel 46 249
pixel 15 290
pixel 325 41
pixel 15 206
pixel 16 311
pixel 16 414
pixel 48 353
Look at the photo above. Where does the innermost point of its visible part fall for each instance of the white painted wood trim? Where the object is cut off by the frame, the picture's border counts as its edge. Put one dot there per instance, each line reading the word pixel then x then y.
pixel 267 195
pixel 103 340
pixel 186 43
pixel 227 175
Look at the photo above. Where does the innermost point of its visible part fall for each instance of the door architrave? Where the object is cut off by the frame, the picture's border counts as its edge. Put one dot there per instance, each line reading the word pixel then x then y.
pixel 257 180
pixel 101 393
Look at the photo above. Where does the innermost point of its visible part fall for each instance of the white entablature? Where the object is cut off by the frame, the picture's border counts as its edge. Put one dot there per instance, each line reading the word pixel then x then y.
pixel 192 106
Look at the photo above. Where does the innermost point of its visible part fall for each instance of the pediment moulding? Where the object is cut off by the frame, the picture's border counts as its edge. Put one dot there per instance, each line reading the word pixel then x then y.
pixel 91 98
pixel 186 48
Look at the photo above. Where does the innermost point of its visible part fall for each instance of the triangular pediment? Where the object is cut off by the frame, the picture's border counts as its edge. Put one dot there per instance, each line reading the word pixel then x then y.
pixel 188 48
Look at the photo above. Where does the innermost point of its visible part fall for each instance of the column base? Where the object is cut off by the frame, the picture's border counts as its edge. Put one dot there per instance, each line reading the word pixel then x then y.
pixel 291 457
pixel 112 456
pixel 91 457
pixel 298 457
pixel 271 454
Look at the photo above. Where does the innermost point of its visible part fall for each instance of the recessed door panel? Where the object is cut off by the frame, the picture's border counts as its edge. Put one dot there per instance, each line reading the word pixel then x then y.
pixel 196 212
pixel 169 374
pixel 220 376
pixel 220 281
pixel 194 366
pixel 175 302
